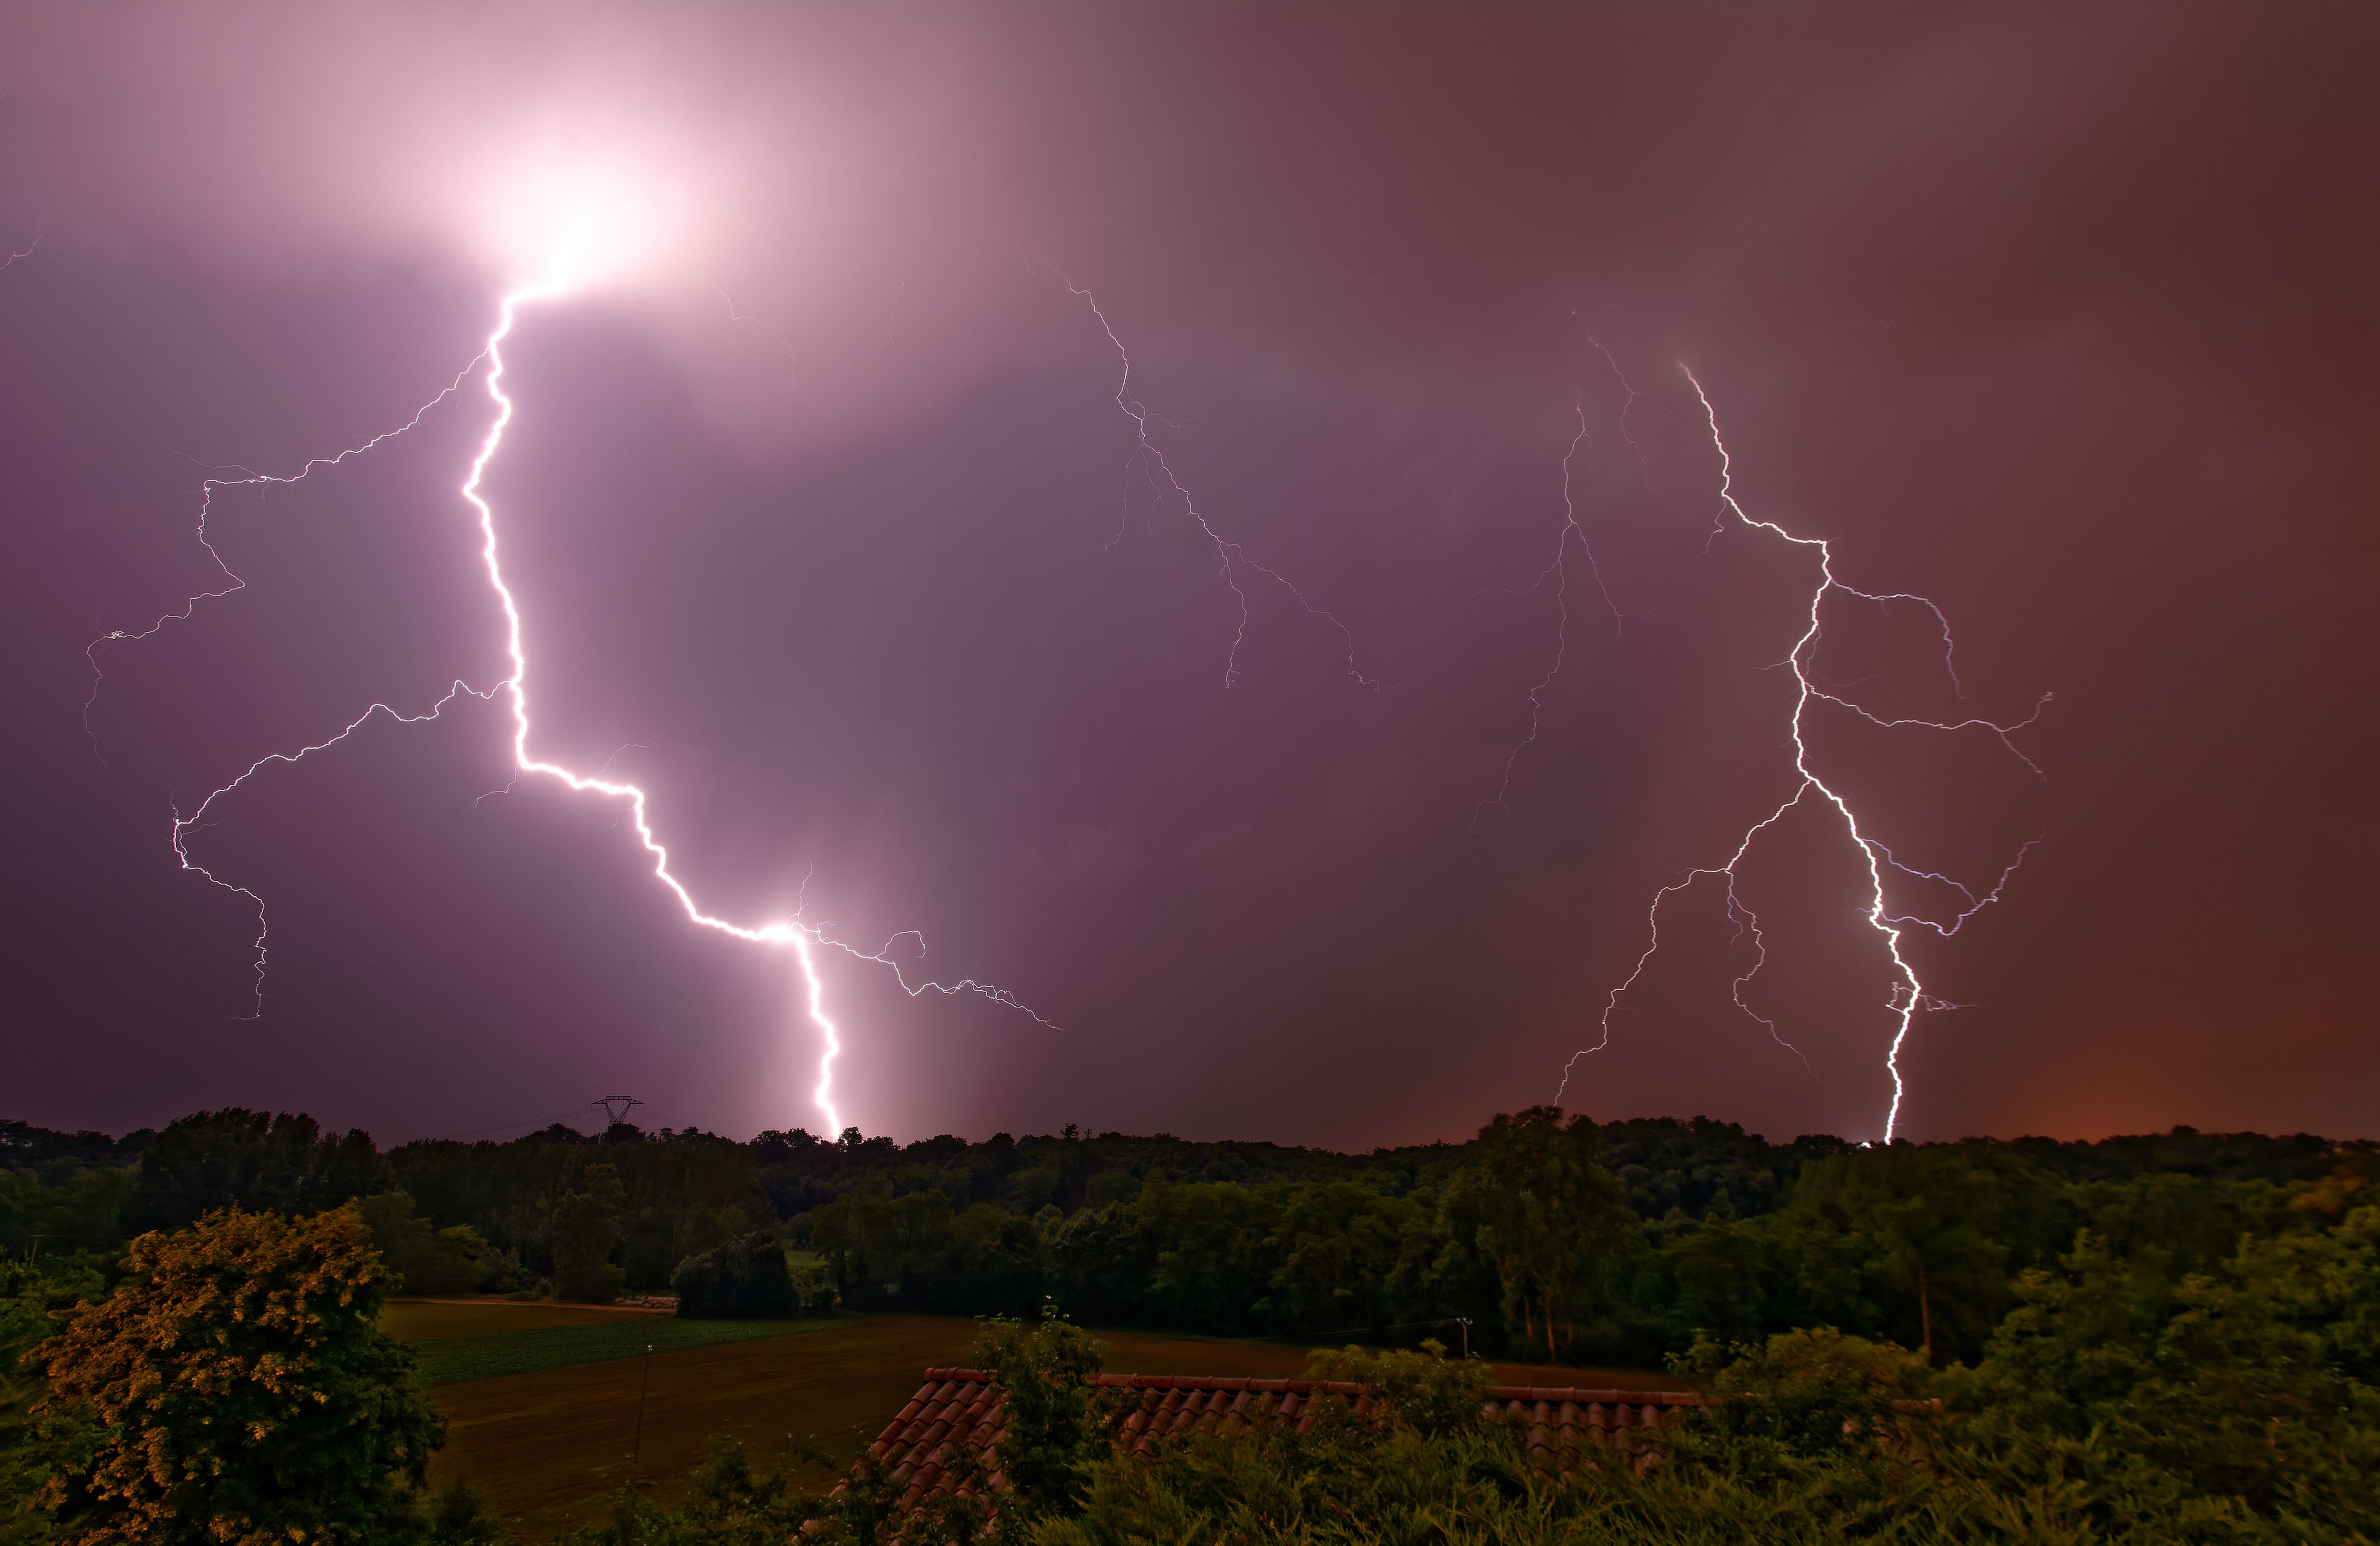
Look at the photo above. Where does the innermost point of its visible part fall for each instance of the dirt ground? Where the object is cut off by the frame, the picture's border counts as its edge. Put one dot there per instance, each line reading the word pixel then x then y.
pixel 435 1320
pixel 546 1448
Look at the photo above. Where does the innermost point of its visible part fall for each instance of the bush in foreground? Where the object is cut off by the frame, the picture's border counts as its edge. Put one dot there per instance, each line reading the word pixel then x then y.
pixel 235 1390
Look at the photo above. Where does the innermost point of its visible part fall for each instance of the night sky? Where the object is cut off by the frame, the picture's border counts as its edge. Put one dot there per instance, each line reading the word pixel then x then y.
pixel 827 530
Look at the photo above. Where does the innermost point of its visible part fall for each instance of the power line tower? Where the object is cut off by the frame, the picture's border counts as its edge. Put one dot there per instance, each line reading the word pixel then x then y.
pixel 616 1108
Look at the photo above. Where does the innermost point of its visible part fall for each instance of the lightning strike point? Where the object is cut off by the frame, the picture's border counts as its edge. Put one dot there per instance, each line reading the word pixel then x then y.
pixel 1905 994
pixel 513 691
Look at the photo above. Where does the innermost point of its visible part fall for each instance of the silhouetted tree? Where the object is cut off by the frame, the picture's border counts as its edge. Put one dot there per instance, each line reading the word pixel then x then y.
pixel 586 1231
pixel 236 1158
pixel 1541 1209
pixel 743 1277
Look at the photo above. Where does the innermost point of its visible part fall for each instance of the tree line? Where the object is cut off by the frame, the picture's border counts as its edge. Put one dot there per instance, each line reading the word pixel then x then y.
pixel 1546 1236
pixel 2164 1338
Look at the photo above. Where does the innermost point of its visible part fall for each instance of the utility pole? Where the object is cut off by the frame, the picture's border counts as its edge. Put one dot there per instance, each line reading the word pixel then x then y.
pixel 637 1447
pixel 1464 1322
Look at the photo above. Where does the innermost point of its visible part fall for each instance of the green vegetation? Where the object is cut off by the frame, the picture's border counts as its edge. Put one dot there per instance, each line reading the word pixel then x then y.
pixel 2168 1338
pixel 253 1159
pixel 451 1360
pixel 234 1388
pixel 427 1260
pixel 2242 1409
pixel 748 1276
pixel 32 1300
pixel 1596 1243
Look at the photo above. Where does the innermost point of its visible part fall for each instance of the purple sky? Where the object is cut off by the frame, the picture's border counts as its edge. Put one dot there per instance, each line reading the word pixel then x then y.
pixel 2062 318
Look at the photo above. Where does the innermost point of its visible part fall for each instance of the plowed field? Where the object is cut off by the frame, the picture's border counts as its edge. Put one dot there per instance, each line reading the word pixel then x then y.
pixel 546 1448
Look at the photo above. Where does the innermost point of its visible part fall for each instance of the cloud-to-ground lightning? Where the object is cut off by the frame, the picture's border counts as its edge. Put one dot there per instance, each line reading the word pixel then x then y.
pixel 801 937
pixel 1150 462
pixel 1906 994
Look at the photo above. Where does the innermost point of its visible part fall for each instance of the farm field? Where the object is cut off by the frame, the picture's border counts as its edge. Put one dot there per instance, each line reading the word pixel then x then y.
pixel 460 1341
pixel 438 1320
pixel 546 1448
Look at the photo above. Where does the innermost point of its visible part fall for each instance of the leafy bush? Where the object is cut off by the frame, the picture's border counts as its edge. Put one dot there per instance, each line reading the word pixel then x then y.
pixel 1812 1392
pixel 1425 1390
pixel 744 1278
pixel 235 1390
pixel 33 1299
pixel 1044 1372
pixel 454 1261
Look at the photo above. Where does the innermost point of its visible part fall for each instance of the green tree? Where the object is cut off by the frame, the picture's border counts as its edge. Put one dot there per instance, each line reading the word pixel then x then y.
pixel 744 1277
pixel 236 1158
pixel 587 1220
pixel 58 1220
pixel 34 1299
pixel 427 1260
pixel 1541 1210
pixel 1928 1220
pixel 235 1390
pixel 2247 1394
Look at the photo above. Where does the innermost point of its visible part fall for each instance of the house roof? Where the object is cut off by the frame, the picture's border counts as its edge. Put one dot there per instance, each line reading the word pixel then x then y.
pixel 962 1406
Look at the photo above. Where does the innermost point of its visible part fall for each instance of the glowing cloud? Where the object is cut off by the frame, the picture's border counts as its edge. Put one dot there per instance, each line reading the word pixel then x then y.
pixel 574 231
pixel 565 230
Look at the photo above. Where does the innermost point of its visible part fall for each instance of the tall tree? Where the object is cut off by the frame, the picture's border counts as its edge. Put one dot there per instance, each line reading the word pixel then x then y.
pixel 587 1220
pixel 236 1158
pixel 1541 1209
pixel 1930 1220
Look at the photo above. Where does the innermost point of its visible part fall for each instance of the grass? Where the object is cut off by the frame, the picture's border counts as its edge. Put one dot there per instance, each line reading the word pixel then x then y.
pixel 434 1319
pixel 546 1448
pixel 537 1350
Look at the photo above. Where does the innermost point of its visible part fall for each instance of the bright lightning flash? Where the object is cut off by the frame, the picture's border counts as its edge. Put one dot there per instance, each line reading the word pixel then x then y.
pixel 1907 994
pixel 589 233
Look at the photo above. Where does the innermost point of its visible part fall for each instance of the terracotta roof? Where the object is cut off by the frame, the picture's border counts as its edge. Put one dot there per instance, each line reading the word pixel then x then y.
pixel 962 1406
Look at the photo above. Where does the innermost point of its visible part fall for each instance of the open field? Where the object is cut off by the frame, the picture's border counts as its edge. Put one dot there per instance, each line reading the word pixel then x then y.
pixel 436 1320
pixel 546 1447
pixel 467 1342
pixel 460 1359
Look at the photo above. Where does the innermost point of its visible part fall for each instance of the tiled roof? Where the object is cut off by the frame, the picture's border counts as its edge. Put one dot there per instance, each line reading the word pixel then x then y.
pixel 962 1406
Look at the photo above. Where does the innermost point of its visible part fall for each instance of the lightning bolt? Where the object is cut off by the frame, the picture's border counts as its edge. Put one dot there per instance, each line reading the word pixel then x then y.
pixel 802 938
pixel 25 251
pixel 1620 376
pixel 233 583
pixel 1906 994
pixel 1149 461
pixel 1557 569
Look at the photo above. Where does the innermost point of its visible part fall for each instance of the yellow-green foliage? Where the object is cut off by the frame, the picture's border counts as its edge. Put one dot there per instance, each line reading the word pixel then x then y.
pixel 235 1390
